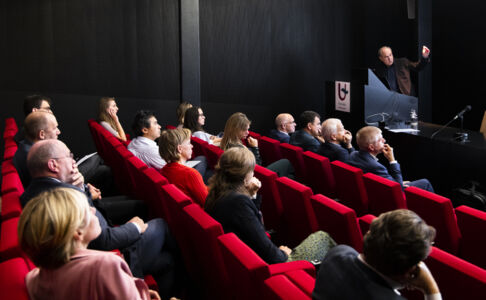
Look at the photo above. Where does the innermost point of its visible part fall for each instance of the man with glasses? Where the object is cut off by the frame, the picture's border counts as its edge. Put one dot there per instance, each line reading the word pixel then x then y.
pixel 308 137
pixel 285 124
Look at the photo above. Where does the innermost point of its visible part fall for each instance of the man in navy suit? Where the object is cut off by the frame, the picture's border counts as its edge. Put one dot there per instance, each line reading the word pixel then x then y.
pixel 337 145
pixel 147 247
pixel 285 124
pixel 308 137
pixel 371 143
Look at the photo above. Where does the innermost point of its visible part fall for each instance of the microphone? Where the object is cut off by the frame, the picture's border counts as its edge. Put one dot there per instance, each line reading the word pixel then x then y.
pixel 465 110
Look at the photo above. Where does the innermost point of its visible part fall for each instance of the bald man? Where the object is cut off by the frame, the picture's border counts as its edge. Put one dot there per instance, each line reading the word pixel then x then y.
pixel 337 145
pixel 285 126
pixel 38 125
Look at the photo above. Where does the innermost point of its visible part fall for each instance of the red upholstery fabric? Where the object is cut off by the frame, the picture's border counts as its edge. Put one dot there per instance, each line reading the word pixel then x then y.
pixel 8 167
pixel 199 147
pixel 9 133
pixel 319 174
pixel 9 245
pixel 10 124
pixel 200 238
pixel 437 211
pixel 12 279
pixel 472 224
pixel 9 152
pixel 302 280
pixel 294 155
pixel 269 150
pixel 297 210
pixel 94 128
pixel 171 202
pixel 212 154
pixel 170 127
pixel 271 204
pixel 383 194
pixel 365 222
pixel 350 187
pixel 337 220
pixel 11 207
pixel 254 135
pixel 9 142
pixel 457 279
pixel 281 288
pixel 148 181
pixel 11 183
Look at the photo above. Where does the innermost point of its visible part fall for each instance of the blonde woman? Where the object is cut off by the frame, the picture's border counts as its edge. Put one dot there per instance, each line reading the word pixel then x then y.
pixel 54 230
pixel 108 118
pixel 181 112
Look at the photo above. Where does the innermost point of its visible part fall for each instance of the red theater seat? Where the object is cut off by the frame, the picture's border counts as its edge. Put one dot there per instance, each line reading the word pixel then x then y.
pixel 319 174
pixel 171 202
pixel 199 147
pixel 271 204
pixel 11 207
pixel 11 183
pixel 472 223
pixel 212 154
pixel 269 150
pixel 12 279
pixel 280 287
pixel 383 194
pixel 9 245
pixel 350 187
pixel 294 155
pixel 365 222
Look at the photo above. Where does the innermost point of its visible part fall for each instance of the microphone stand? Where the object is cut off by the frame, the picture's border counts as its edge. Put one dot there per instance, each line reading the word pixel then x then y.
pixel 460 136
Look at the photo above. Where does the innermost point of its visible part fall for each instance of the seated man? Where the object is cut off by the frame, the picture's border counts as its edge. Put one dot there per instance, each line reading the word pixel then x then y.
pixel 147 247
pixel 308 137
pixel 285 124
pixel 337 145
pixel 394 249
pixel 371 143
pixel 147 130
pixel 33 103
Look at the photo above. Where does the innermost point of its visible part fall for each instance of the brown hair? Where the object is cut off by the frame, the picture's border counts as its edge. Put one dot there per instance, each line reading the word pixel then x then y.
pixel 169 140
pixel 181 111
pixel 103 115
pixel 236 123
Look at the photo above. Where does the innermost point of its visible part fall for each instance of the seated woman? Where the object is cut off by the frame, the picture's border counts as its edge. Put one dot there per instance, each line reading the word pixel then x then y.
pixel 236 130
pixel 194 121
pixel 177 151
pixel 55 229
pixel 181 112
pixel 233 202
pixel 108 118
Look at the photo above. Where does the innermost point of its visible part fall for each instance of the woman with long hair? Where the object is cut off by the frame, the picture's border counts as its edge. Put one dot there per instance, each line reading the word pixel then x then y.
pixel 54 230
pixel 108 118
pixel 181 112
pixel 194 120
pixel 233 202
pixel 237 129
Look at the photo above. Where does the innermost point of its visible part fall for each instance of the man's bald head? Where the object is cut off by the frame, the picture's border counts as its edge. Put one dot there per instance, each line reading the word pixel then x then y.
pixel 41 125
pixel 285 122
pixel 40 156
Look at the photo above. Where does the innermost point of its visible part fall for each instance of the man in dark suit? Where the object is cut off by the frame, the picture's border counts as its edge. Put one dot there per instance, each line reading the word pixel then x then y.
pixel 285 126
pixel 337 145
pixel 395 73
pixel 147 247
pixel 393 252
pixel 371 143
pixel 308 137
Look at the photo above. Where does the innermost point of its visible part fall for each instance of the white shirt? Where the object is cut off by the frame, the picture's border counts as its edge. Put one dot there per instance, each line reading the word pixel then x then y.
pixel 203 136
pixel 148 152
pixel 108 127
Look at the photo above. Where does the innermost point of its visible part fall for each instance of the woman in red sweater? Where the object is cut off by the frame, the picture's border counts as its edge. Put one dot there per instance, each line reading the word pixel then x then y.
pixel 175 147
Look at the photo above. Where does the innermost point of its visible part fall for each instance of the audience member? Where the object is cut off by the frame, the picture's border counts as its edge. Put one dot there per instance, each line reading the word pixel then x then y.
pixel 33 103
pixel 108 118
pixel 395 73
pixel 308 137
pixel 181 112
pixel 55 229
pixel 177 151
pixel 285 126
pixel 233 202
pixel 371 143
pixel 194 120
pixel 236 130
pixel 148 247
pixel 392 259
pixel 337 145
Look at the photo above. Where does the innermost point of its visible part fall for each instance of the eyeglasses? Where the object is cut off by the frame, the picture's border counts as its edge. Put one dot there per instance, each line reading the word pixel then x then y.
pixel 201 115
pixel 69 156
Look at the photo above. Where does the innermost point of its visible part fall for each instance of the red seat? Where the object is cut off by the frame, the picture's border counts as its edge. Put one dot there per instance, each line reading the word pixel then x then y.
pixel 365 222
pixel 135 168
pixel 383 194
pixel 11 183
pixel 9 245
pixel 319 174
pixel 437 211
pixel 212 154
pixel 269 150
pixel 168 127
pixel 8 167
pixel 271 204
pixel 280 287
pixel 297 210
pixel 247 270
pixel 337 220
pixel 12 279
pixel 303 280
pixel 171 202
pixel 9 152
pixel 294 155
pixel 10 124
pixel 9 142
pixel 148 181
pixel 95 134
pixel 472 224
pixel 350 187
pixel 11 207
pixel 199 147
pixel 457 278
pixel 9 133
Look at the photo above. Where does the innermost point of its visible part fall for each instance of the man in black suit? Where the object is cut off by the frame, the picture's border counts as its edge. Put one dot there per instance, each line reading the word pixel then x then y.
pixel 308 137
pixel 337 145
pixel 285 126
pixel 371 143
pixel 147 247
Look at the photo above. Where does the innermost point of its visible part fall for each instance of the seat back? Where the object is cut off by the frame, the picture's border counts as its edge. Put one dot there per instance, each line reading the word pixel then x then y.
pixel 279 287
pixel 199 147
pixel 437 211
pixel 212 154
pixel 8 167
pixel 9 242
pixel 135 168
pixel 271 204
pixel 472 224
pixel 383 194
pixel 10 124
pixel 303 280
pixel 12 279
pixel 350 187
pixel 319 174
pixel 297 210
pixel 9 152
pixel 294 155
pixel 171 202
pixel 149 181
pixel 11 207
pixel 269 150
pixel 365 223
pixel 11 183
pixel 337 220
